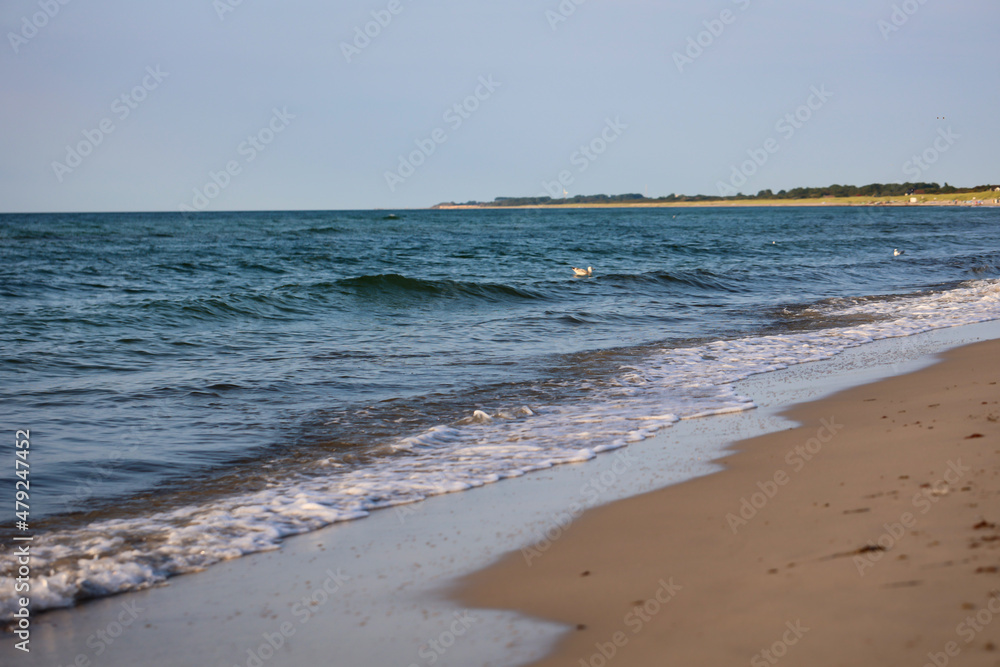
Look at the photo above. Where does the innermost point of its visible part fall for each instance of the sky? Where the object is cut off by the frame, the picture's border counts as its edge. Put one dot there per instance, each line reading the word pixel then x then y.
pixel 317 105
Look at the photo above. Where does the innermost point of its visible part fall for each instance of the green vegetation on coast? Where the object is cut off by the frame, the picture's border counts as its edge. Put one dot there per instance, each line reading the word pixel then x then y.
pixel 873 194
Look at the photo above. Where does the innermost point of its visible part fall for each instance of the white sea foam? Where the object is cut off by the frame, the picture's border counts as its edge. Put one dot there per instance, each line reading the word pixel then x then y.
pixel 117 555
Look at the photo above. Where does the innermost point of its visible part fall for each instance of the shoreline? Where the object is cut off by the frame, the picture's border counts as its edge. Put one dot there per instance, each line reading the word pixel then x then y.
pixel 734 204
pixel 865 535
pixel 391 572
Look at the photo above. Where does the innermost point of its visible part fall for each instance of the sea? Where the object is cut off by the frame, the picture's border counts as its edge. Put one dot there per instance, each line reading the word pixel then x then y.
pixel 201 387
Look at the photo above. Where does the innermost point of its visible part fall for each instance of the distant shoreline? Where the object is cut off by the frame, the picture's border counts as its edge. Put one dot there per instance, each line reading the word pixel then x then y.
pixel 987 198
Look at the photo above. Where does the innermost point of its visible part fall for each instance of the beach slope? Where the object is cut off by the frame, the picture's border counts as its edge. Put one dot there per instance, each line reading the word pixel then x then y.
pixel 867 535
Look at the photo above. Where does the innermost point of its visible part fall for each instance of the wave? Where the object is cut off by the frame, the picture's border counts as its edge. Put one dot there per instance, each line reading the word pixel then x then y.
pixel 394 285
pixel 221 308
pixel 489 444
pixel 330 229
pixel 302 299
pixel 700 279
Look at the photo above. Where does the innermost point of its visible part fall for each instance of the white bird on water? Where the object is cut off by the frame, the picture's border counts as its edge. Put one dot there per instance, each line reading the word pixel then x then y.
pixel 583 273
pixel 896 252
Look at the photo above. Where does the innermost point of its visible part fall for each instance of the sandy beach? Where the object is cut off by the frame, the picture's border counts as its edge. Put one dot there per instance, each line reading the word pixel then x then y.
pixel 868 535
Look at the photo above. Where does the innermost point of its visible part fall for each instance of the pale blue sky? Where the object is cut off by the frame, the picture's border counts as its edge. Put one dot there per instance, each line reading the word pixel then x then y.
pixel 677 131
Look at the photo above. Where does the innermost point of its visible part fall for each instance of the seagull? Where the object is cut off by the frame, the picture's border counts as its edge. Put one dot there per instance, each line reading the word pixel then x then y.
pixel 897 252
pixel 583 273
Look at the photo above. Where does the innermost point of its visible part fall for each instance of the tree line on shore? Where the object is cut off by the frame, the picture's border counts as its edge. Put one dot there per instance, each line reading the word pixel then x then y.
pixel 871 190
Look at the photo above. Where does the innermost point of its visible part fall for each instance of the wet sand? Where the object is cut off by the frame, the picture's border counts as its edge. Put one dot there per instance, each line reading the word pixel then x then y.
pixel 868 535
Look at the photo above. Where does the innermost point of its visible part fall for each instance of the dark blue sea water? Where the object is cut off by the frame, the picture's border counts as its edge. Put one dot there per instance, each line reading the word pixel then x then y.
pixel 200 387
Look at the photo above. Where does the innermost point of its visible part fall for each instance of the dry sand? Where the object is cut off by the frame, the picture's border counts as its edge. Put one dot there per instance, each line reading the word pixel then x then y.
pixel 869 535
